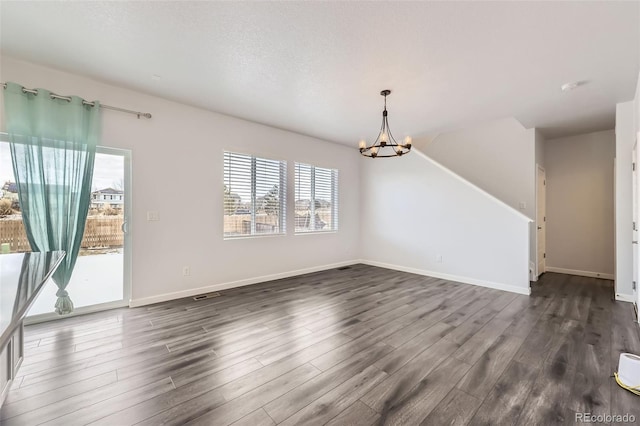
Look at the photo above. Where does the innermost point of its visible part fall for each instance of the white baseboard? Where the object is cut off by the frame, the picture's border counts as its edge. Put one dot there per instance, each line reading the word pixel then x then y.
pixel 249 281
pixel 579 273
pixel 465 280
pixel 625 298
pixel 133 303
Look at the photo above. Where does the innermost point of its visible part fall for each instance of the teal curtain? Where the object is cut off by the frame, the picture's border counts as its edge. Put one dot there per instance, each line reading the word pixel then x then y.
pixel 53 146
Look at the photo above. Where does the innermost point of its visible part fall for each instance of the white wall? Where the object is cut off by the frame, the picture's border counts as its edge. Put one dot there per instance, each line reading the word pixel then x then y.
pixel 179 151
pixel 539 160
pixel 636 115
pixel 539 144
pixel 415 210
pixel 499 156
pixel 580 204
pixel 625 137
pixel 636 106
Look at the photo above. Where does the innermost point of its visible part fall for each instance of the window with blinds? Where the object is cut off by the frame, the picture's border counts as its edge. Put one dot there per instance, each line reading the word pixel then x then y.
pixel 316 199
pixel 254 195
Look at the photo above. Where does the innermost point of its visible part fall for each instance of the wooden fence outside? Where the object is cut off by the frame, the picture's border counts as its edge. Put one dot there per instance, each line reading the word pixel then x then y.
pixel 100 231
pixel 237 224
pixel 106 231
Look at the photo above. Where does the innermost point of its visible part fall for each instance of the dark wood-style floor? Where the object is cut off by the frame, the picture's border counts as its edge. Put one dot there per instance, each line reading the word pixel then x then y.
pixel 359 346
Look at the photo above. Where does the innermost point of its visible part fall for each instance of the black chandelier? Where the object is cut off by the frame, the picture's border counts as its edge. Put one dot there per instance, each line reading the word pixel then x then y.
pixel 385 140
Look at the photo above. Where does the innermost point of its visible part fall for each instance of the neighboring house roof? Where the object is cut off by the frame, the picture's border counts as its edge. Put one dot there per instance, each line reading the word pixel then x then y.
pixel 108 191
pixel 10 187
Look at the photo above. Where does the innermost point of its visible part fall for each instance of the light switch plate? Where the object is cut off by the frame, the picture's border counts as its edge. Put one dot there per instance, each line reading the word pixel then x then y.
pixel 153 215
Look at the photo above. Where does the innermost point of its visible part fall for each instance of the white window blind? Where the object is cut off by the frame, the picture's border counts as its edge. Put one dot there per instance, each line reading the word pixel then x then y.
pixel 316 198
pixel 254 195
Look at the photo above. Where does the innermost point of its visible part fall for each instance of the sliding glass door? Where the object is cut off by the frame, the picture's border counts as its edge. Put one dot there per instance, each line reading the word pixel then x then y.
pixel 101 277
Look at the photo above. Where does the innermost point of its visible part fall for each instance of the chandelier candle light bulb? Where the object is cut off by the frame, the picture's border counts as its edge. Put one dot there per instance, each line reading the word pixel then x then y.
pixel 385 139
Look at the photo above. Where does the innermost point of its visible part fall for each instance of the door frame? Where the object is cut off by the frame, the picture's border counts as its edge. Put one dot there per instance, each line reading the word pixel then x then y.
pixel 127 247
pixel 635 251
pixel 126 255
pixel 539 169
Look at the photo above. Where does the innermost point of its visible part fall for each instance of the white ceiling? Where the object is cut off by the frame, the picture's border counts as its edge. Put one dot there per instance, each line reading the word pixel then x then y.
pixel 317 67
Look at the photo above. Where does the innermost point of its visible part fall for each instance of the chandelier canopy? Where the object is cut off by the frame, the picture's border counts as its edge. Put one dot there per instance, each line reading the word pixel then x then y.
pixel 385 144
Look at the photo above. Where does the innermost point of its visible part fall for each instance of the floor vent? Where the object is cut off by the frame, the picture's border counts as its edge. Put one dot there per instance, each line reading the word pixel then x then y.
pixel 206 296
pixel 343 268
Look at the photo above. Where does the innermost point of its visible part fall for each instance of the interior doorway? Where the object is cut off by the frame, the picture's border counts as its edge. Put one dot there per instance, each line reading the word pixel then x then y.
pixel 541 225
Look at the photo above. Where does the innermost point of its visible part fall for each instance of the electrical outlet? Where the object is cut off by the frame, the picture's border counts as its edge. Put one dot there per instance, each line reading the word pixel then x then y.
pixel 153 215
pixel 186 271
pixel 439 258
pixel 523 205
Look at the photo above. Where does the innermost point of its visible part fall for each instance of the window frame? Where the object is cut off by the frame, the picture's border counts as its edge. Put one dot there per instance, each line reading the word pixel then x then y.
pixel 335 209
pixel 282 196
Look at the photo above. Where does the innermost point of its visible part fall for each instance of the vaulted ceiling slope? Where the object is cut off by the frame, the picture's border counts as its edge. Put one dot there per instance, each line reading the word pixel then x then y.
pixel 317 67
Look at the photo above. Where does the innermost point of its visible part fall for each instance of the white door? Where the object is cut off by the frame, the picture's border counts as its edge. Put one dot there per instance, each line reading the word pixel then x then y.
pixel 541 220
pixel 636 199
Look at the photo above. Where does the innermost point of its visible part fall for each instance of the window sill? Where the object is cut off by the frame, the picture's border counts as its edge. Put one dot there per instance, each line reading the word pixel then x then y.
pixel 248 237
pixel 315 232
